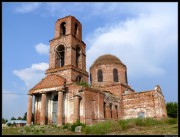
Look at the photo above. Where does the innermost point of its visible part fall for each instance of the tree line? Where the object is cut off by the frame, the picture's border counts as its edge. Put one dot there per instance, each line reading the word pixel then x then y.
pixel 18 118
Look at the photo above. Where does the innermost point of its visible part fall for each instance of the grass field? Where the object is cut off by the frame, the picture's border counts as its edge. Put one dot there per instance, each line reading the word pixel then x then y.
pixel 146 126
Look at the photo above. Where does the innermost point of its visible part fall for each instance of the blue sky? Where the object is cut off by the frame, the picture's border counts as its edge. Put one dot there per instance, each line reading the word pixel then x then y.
pixel 142 35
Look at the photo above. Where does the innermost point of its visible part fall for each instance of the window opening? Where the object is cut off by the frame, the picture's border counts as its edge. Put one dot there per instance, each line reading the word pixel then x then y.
pixel 115 75
pixel 78 50
pixel 63 28
pixel 60 55
pixel 100 76
pixel 76 29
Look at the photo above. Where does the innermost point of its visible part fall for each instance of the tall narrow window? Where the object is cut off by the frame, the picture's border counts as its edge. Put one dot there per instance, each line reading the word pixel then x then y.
pixel 60 56
pixel 90 78
pixel 76 29
pixel 63 29
pixel 78 51
pixel 100 75
pixel 115 75
pixel 126 77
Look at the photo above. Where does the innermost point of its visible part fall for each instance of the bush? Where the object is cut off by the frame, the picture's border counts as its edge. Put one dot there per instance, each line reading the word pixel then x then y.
pixel 78 123
pixel 67 126
pixel 9 124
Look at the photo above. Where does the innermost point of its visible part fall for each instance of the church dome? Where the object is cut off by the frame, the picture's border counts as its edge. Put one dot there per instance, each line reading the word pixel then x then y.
pixel 107 59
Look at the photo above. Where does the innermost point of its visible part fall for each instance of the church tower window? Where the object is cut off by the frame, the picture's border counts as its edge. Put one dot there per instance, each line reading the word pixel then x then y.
pixel 78 51
pixel 90 78
pixel 115 75
pixel 100 75
pixel 76 29
pixel 60 56
pixel 63 29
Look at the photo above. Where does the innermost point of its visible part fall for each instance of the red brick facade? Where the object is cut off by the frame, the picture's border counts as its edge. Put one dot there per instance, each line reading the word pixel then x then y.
pixel 61 97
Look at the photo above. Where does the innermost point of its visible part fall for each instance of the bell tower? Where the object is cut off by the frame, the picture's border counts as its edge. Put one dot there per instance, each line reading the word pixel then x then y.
pixel 67 56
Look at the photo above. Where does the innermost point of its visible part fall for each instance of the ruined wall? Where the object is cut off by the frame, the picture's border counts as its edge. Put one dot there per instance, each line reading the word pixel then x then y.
pixel 69 107
pixel 138 104
pixel 160 105
pixel 151 103
pixel 94 106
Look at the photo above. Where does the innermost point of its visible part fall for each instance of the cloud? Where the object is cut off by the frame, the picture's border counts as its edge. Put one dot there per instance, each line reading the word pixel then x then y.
pixel 82 9
pixel 31 76
pixel 27 7
pixel 142 42
pixel 42 49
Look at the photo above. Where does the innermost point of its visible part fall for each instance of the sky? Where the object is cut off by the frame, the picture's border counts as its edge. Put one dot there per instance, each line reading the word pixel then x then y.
pixel 142 35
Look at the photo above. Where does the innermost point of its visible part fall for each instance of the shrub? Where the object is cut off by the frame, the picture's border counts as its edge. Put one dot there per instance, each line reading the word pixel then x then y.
pixel 84 84
pixel 78 123
pixel 67 126
pixel 9 124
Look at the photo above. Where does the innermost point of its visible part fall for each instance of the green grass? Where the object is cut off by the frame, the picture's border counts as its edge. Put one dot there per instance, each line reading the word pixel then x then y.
pixel 146 126
pixel 10 131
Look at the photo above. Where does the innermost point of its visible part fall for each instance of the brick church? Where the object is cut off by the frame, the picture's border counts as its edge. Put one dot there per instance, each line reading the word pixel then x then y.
pixel 64 96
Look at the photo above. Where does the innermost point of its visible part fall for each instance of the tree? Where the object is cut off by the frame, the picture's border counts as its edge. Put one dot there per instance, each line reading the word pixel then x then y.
pixel 172 109
pixel 19 118
pixel 25 116
pixel 13 118
pixel 4 121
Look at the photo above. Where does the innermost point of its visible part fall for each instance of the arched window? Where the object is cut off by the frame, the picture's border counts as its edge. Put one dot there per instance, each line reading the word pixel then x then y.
pixel 100 75
pixel 115 75
pixel 76 29
pixel 63 28
pixel 78 51
pixel 60 56
pixel 80 79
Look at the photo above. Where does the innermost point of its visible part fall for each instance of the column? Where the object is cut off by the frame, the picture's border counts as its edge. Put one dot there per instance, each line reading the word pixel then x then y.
pixel 119 111
pixel 113 112
pixel 76 108
pixel 60 109
pixel 107 112
pixel 43 109
pixel 29 110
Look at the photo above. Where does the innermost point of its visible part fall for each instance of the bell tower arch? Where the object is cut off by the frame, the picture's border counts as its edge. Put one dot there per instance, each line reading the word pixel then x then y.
pixel 67 56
